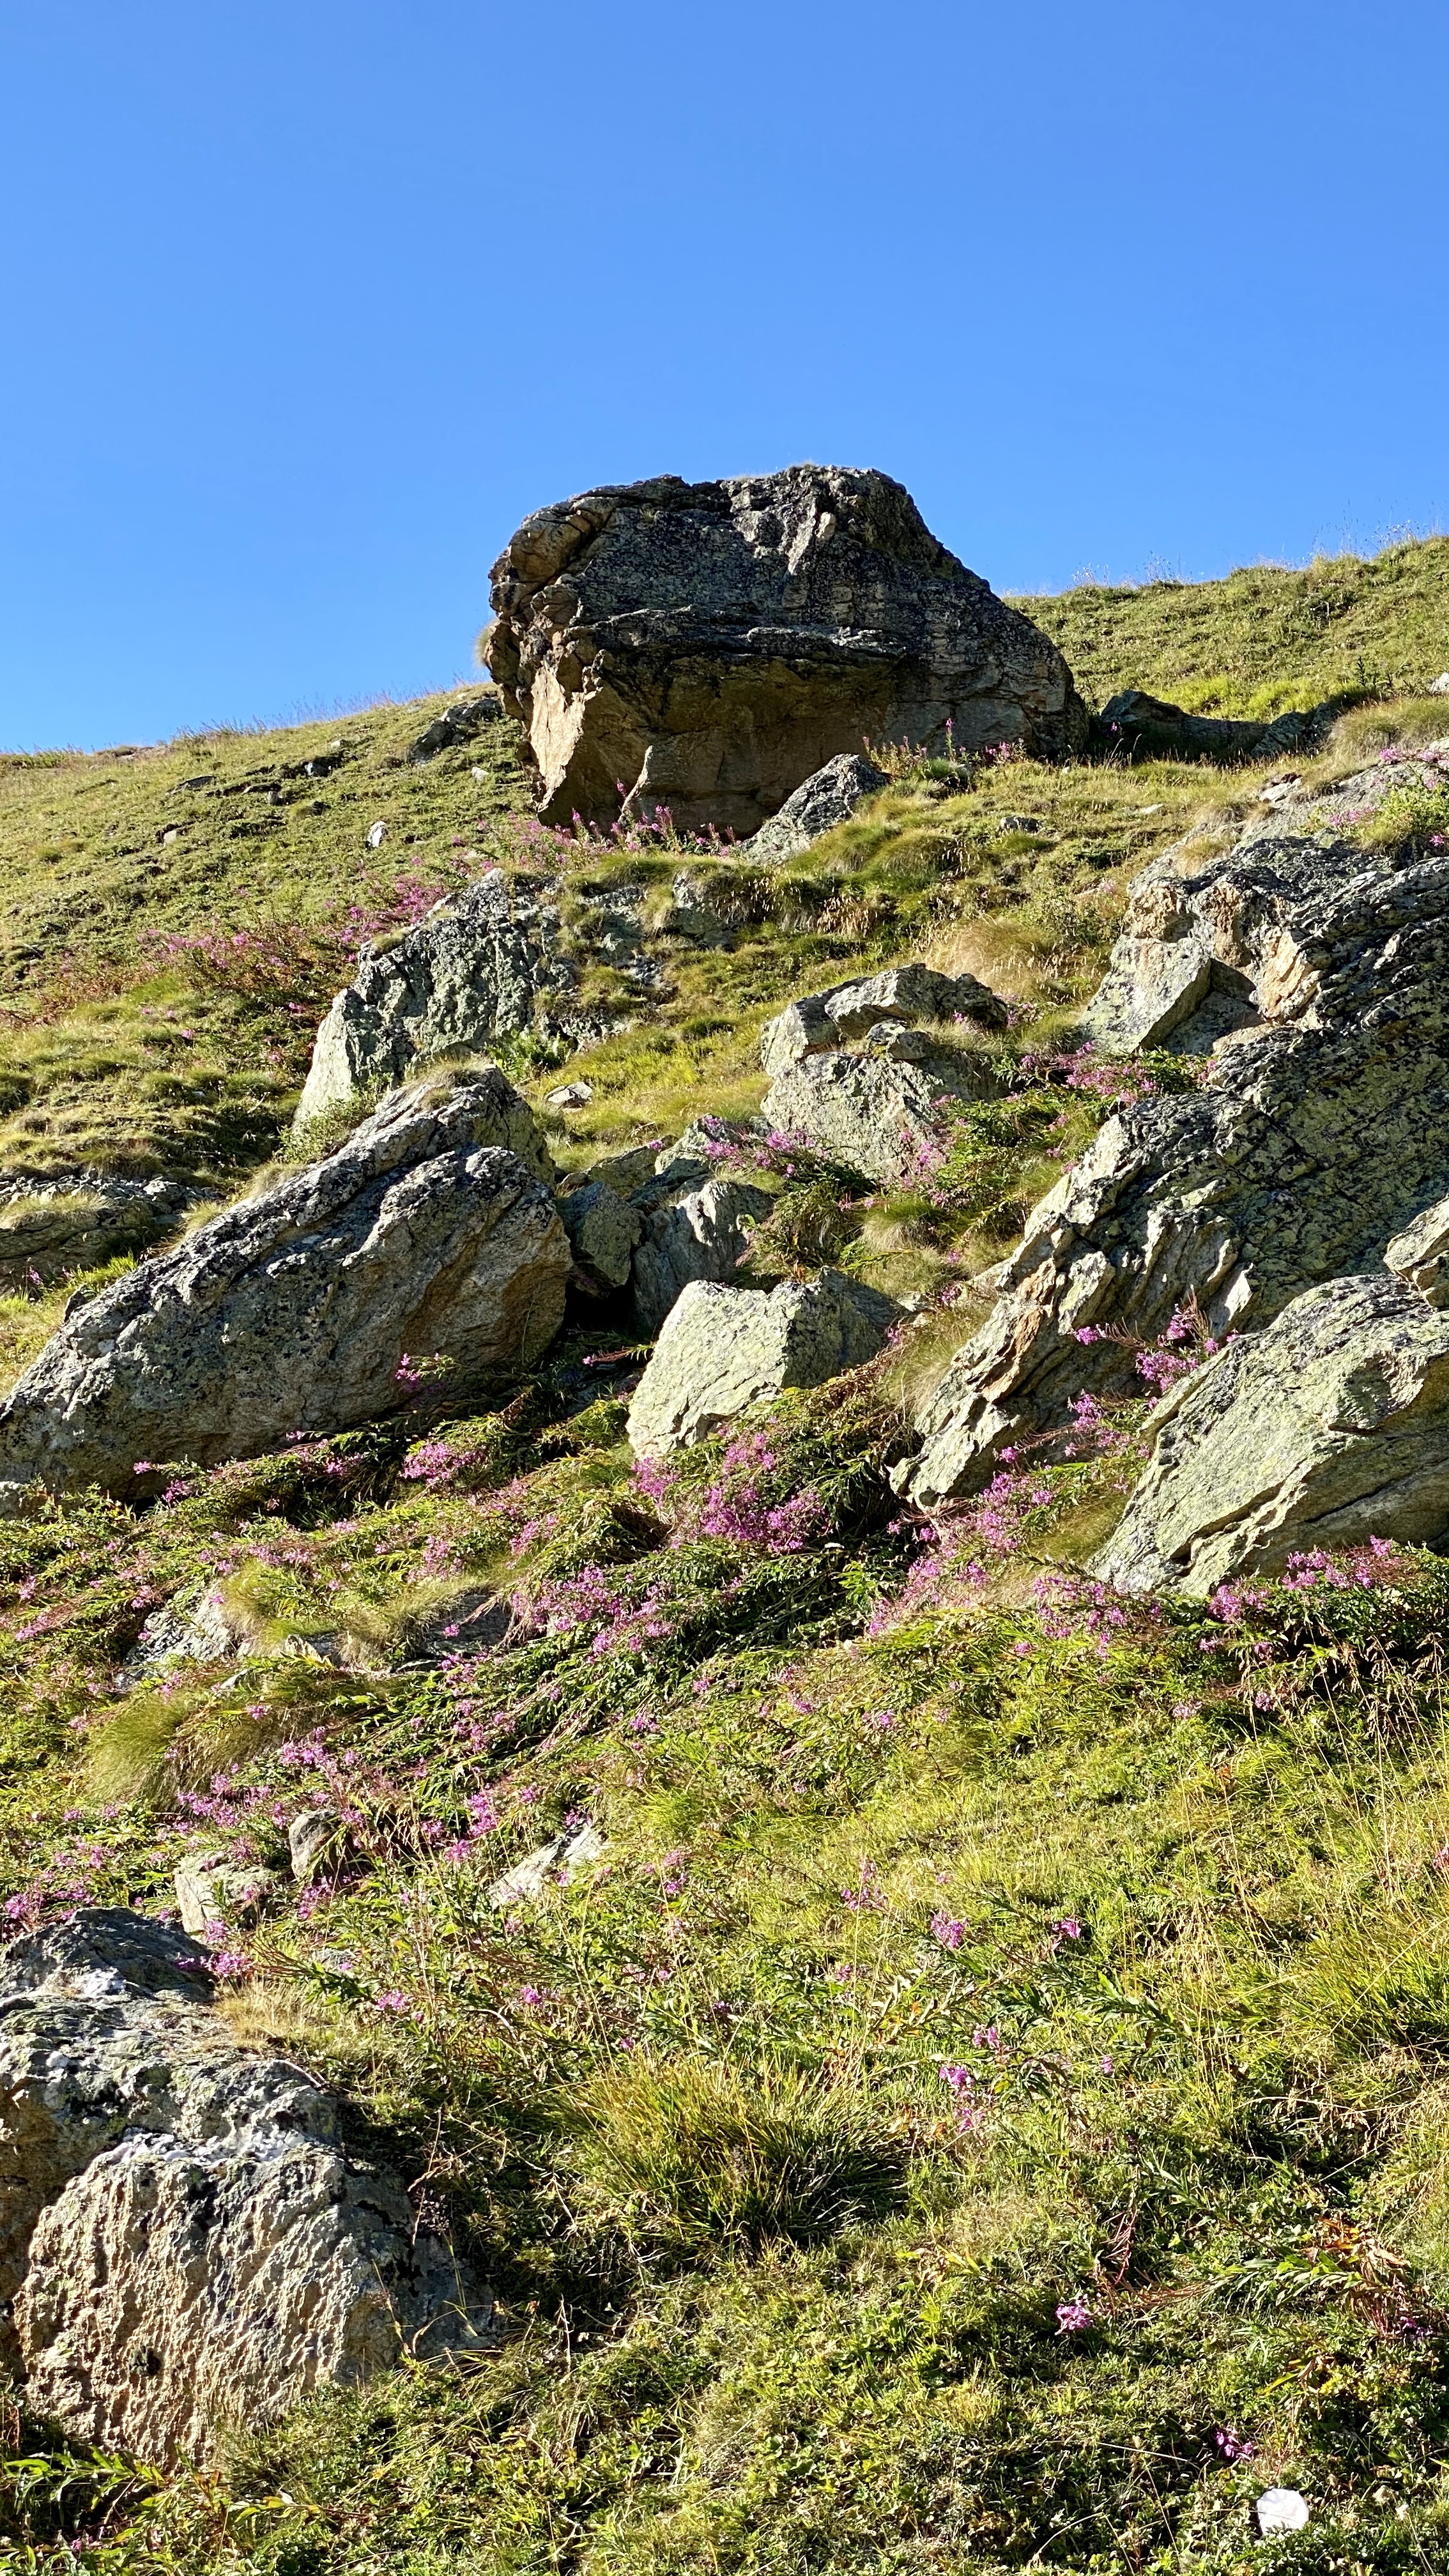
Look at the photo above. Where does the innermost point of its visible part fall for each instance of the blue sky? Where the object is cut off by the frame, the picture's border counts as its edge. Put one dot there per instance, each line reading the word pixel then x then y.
pixel 305 305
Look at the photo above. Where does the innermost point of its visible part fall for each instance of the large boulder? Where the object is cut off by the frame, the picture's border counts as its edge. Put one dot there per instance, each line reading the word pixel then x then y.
pixel 875 1113
pixel 474 969
pixel 295 1311
pixel 1321 1129
pixel 707 646
pixel 821 801
pixel 186 2241
pixel 1326 1430
pixel 724 1349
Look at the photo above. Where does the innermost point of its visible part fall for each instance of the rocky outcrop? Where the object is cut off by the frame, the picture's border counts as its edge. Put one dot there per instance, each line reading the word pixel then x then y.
pixel 74 1220
pixel 875 1113
pixel 476 968
pixel 908 995
pixel 1315 972
pixel 1148 728
pixel 186 2241
pixel 829 797
pixel 603 1229
pixel 708 646
pixel 1326 1430
pixel 724 1349
pixel 295 1311
pixel 695 1232
pixel 458 724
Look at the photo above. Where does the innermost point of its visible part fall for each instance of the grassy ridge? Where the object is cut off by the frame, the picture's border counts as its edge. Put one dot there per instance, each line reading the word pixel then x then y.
pixel 984 2107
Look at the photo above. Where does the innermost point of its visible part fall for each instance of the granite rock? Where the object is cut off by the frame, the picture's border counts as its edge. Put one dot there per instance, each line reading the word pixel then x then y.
pixel 724 1349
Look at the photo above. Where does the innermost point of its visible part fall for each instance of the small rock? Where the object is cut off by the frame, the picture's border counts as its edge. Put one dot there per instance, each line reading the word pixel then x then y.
pixel 829 796
pixel 315 1836
pixel 801 1029
pixel 548 1866
pixel 376 835
pixel 1440 688
pixel 603 1230
pixel 211 1889
pixel 570 1095
pixel 1281 2509
pixel 882 1119
pixel 457 724
pixel 723 1349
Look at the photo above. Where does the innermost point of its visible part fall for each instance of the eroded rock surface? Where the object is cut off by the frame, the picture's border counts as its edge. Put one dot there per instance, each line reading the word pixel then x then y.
pixel 909 995
pixel 1315 971
pixel 874 1112
pixel 475 969
pixel 708 646
pixel 691 1232
pixel 723 1349
pixel 1326 1430
pixel 829 797
pixel 292 1310
pixel 185 2240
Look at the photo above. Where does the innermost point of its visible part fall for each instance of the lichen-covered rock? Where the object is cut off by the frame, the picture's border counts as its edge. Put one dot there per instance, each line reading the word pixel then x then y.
pixel 73 1220
pixel 829 797
pixel 724 1349
pixel 1321 1129
pixel 292 1311
pixel 551 1865
pixel 1326 1430
pixel 880 1118
pixel 698 1232
pixel 603 1229
pixel 708 646
pixel 185 2241
pixel 906 994
pixel 212 1889
pixel 1420 1255
pixel 475 969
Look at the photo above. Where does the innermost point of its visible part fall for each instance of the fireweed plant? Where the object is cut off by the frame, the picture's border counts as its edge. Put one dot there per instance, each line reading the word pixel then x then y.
pixel 982 2102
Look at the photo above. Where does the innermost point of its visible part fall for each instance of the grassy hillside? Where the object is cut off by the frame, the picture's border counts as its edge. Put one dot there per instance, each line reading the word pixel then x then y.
pixel 1266 639
pixel 986 2108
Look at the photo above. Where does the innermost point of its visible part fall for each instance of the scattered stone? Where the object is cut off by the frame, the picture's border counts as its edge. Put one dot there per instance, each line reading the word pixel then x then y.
pixel 202 1633
pixel 475 969
pixel 297 1310
pixel 711 645
pixel 549 1866
pixel 569 1095
pixel 376 835
pixel 698 1233
pixel 1440 688
pixel 460 723
pixel 882 1119
pixel 723 1349
pixel 210 1890
pixel 603 1230
pixel 185 2242
pixel 692 915
pixel 1321 1129
pixel 818 804
pixel 315 1837
pixel 1329 1428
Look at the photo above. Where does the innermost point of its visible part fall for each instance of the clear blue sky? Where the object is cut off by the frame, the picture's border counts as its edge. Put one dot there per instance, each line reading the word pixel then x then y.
pixel 305 305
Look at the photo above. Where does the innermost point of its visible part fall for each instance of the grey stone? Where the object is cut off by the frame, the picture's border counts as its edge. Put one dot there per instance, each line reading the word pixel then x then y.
pixel 802 1028
pixel 569 1095
pixel 462 722
pixel 1327 1429
pixel 75 1220
pixel 1420 1254
pixel 692 915
pixel 211 1889
pixel 1321 1129
pixel 900 1045
pixel 292 1311
pixel 314 1838
pixel 549 1866
pixel 475 969
pixel 603 1230
pixel 697 1233
pixel 711 645
pixel 723 1349
pixel 817 805
pixel 197 1632
pixel 1149 728
pixel 908 994
pixel 185 2242
pixel 884 1120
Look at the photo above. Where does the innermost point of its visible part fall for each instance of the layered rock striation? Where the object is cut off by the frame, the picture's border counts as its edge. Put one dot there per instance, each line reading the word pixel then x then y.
pixel 709 646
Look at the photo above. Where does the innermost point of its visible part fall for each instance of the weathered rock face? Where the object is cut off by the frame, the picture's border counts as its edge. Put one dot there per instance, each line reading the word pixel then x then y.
pixel 694 1233
pixel 475 969
pixel 724 1349
pixel 874 1113
pixel 78 1219
pixel 462 722
pixel 292 1311
pixel 1149 728
pixel 708 646
pixel 817 805
pixel 906 994
pixel 1328 1429
pixel 1317 971
pixel 185 2243
pixel 603 1229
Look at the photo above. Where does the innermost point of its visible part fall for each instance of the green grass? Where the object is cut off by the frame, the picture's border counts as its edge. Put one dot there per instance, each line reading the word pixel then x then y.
pixel 1166 1894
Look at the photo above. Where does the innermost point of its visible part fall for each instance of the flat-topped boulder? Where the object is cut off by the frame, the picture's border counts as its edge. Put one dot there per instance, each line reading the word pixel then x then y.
pixel 302 1310
pixel 709 646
